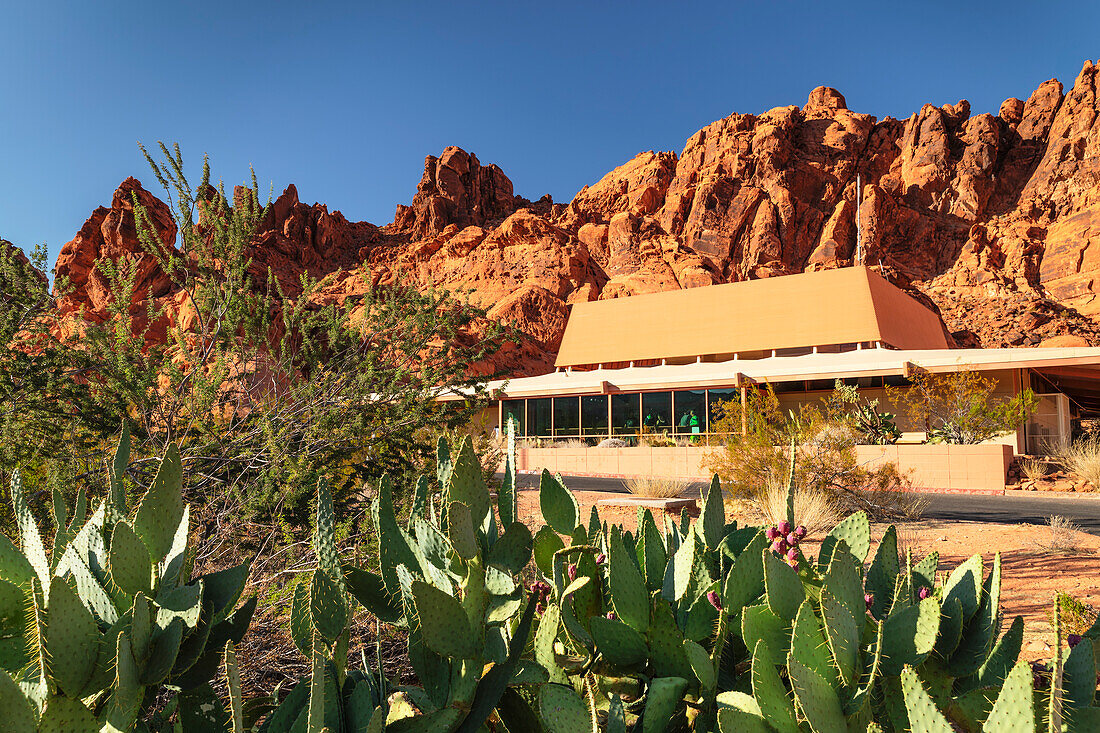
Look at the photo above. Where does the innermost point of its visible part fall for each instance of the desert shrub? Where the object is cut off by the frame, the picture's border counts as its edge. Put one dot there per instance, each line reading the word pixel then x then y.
pixel 661 487
pixel 1076 617
pixel 1034 468
pixel 612 443
pixel 959 407
pixel 1063 537
pixel 1081 458
pixel 263 390
pixel 872 427
pixel 824 457
pixel 814 509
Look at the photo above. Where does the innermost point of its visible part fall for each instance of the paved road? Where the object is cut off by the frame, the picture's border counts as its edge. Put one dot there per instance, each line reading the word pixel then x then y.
pixel 1032 508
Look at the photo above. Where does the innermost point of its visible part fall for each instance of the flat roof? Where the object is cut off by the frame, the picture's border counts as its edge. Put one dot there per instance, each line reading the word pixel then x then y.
pixel 867 362
pixel 844 306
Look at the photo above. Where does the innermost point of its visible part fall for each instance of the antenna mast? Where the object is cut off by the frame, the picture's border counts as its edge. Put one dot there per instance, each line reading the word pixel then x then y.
pixel 859 237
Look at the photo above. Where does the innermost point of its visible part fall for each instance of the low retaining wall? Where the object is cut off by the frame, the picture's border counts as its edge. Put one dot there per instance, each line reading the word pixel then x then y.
pixel 943 467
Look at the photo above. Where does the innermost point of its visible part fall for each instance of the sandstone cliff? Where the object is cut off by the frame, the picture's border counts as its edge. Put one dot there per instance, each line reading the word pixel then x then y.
pixel 993 219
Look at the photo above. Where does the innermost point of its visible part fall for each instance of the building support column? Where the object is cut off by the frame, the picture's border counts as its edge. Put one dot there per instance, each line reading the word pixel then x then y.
pixel 744 410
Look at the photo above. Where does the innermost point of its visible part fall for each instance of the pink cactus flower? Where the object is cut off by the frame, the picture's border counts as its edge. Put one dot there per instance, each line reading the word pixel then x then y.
pixel 571 571
pixel 715 599
pixel 780 546
pixel 800 530
pixel 601 559
pixel 784 527
pixel 792 554
pixel 869 599
pixel 771 533
pixel 924 592
pixel 792 539
pixel 611 616
pixel 792 563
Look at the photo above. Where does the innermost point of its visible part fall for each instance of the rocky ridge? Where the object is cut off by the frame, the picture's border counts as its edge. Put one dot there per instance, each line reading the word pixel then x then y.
pixel 993 219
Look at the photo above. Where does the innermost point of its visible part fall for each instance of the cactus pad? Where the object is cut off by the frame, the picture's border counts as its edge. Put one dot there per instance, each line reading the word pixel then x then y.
pixel 161 509
pixel 855 531
pixel 619 643
pixel 562 710
pixel 64 715
pixel 662 698
pixel 328 605
pixel 71 642
pixel 784 592
pixel 629 595
pixel 559 506
pixel 129 563
pixel 923 715
pixel 816 697
pixel 1013 713
pixel 772 697
pixel 443 622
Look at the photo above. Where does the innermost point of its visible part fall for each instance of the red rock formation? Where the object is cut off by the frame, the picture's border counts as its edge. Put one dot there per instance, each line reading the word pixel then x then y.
pixel 995 220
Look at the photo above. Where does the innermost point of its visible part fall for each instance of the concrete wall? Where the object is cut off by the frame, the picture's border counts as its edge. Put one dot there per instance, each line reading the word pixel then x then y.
pixel 954 467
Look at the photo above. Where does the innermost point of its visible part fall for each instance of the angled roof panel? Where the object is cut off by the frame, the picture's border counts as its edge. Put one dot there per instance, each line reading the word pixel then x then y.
pixel 842 306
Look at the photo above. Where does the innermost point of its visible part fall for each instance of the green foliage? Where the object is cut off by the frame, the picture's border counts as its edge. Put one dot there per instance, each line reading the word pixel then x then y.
pixel 824 438
pixel 262 389
pixel 872 427
pixel 960 407
pixel 111 615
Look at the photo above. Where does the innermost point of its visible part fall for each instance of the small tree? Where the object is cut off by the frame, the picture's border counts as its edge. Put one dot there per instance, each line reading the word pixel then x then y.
pixel 959 407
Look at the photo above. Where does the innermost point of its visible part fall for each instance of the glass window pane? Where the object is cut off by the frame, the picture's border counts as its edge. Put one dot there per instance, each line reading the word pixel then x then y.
pixel 538 417
pixel 690 411
pixel 625 415
pixel 594 415
pixel 566 416
pixel 725 410
pixel 657 411
pixel 513 408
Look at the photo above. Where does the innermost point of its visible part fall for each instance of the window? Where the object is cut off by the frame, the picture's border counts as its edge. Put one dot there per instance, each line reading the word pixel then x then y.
pixel 594 415
pixel 725 410
pixel 625 417
pixel 821 385
pixel 657 411
pixel 538 416
pixel 513 408
pixel 897 381
pixel 567 416
pixel 690 411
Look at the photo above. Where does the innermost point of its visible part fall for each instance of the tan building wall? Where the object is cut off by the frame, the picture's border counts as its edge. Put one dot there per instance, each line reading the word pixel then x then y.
pixel 951 467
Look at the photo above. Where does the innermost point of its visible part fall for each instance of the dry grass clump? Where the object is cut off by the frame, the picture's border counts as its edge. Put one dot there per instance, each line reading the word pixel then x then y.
pixel 1082 458
pixel 573 443
pixel 1062 538
pixel 814 509
pixel 655 487
pixel 1034 469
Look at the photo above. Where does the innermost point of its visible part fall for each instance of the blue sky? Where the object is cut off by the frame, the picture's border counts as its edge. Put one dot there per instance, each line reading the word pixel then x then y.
pixel 346 99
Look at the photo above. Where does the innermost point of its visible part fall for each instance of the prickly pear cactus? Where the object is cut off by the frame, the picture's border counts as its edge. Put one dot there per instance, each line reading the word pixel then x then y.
pixel 110 612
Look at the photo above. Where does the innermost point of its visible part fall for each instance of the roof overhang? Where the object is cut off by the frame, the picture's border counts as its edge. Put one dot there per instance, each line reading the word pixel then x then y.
pixel 1071 364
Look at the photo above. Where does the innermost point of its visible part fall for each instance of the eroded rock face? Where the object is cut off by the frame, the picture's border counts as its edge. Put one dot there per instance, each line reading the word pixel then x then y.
pixel 455 189
pixel 994 219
